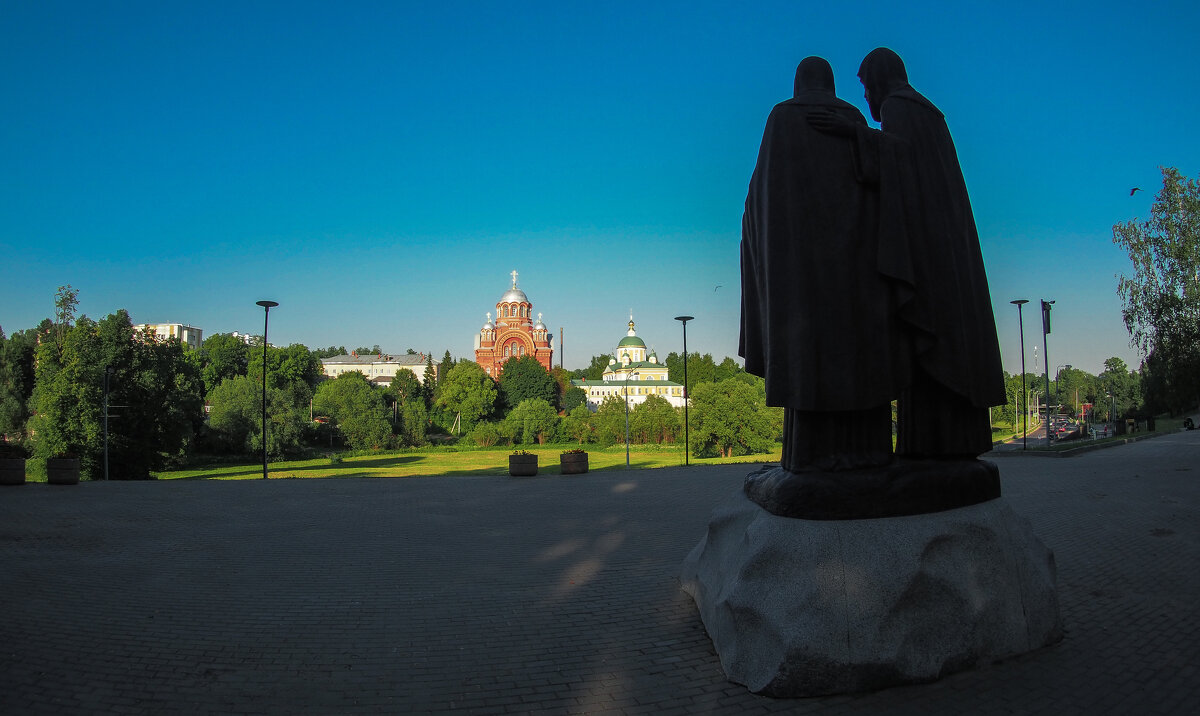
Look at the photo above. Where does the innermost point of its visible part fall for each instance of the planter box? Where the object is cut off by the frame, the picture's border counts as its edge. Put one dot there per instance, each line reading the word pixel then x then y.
pixel 522 465
pixel 12 471
pixel 62 470
pixel 573 463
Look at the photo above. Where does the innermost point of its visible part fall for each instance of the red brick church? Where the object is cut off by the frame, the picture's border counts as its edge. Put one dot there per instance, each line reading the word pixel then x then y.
pixel 514 334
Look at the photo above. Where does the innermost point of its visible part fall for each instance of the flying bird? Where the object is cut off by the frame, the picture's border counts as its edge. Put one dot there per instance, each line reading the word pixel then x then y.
pixel 1134 190
pixel 717 286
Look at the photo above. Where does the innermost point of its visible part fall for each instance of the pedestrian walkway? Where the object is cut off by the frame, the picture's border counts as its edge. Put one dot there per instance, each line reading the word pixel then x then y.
pixel 553 595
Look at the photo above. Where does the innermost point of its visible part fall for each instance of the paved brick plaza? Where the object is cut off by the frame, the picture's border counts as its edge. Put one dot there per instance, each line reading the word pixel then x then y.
pixel 545 595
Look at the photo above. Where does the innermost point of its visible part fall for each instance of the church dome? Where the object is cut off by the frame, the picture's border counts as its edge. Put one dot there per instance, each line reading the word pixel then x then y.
pixel 631 340
pixel 488 326
pixel 539 325
pixel 514 295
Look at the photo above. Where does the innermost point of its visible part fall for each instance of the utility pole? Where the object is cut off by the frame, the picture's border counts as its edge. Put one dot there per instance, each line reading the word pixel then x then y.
pixel 686 445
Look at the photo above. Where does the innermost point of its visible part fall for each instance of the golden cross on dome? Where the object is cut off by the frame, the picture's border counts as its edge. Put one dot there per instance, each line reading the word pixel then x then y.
pixel 514 275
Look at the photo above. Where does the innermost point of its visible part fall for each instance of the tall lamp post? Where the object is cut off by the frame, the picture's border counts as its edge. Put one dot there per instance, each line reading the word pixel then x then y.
pixel 686 442
pixel 108 372
pixel 1024 398
pixel 628 370
pixel 267 306
pixel 1046 360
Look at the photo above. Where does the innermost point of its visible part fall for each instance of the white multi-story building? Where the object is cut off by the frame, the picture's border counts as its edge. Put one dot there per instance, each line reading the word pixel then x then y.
pixel 632 372
pixel 188 335
pixel 378 369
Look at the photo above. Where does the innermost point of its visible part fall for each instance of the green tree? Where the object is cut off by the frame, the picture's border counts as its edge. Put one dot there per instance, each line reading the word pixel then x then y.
pixel 405 393
pixel 329 352
pixel 235 421
pixel 294 364
pixel 235 413
pixel 595 369
pixel 700 369
pixel 357 408
pixel 445 365
pixel 1122 384
pixel 578 424
pixel 66 299
pixel 727 369
pixel 573 398
pixel 534 419
pixel 609 420
pixel 157 389
pixel 405 387
pixel 221 356
pixel 729 418
pixel 1161 300
pixel 414 418
pixel 654 421
pixel 485 434
pixel 562 384
pixel 523 379
pixel 468 391
pixel 16 381
pixel 429 382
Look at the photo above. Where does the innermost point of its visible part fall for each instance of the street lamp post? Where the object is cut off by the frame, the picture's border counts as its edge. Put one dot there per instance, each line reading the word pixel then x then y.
pixel 1024 397
pixel 108 371
pixel 267 306
pixel 628 370
pixel 686 442
pixel 1046 360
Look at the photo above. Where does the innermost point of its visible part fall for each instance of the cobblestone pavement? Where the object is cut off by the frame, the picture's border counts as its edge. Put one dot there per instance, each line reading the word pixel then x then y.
pixel 547 595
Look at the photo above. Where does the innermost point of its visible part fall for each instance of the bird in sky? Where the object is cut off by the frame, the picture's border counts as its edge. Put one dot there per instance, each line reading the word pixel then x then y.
pixel 1134 190
pixel 717 286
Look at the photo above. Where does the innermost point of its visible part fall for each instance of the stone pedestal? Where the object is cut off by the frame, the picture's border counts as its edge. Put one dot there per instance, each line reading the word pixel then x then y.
pixel 802 608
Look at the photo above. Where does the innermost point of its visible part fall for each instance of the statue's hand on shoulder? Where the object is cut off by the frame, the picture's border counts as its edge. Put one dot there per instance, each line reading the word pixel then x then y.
pixel 830 122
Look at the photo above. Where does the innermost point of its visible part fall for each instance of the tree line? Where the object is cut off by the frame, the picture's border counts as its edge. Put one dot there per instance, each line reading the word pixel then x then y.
pixel 170 404
pixel 728 413
pixel 1115 393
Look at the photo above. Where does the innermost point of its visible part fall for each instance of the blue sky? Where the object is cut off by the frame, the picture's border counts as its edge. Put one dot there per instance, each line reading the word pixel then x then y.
pixel 379 168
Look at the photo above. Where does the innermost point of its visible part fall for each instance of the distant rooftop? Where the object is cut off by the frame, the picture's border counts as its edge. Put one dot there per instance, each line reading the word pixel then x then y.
pixel 374 358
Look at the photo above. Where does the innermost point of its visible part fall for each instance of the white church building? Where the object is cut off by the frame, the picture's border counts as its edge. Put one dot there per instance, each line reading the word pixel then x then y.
pixel 634 373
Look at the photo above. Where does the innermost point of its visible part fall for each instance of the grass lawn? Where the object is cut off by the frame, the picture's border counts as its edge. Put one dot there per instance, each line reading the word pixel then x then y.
pixel 454 461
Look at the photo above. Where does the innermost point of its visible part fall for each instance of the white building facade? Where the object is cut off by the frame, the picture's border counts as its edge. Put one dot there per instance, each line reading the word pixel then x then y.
pixel 188 335
pixel 378 369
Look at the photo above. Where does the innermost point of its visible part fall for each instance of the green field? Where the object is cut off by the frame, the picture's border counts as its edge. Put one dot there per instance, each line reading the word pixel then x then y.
pixel 452 461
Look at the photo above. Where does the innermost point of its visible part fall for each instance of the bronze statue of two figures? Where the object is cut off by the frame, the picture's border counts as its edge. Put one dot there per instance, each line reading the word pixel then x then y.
pixel 863 283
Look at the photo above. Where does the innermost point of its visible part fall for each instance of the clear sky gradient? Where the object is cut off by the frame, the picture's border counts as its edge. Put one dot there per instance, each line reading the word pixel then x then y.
pixel 379 168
